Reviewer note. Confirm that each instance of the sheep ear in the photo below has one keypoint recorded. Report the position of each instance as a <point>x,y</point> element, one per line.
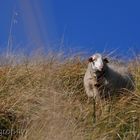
<point>106,60</point>
<point>90,59</point>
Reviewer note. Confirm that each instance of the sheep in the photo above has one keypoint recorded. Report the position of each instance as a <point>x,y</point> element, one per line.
<point>104,80</point>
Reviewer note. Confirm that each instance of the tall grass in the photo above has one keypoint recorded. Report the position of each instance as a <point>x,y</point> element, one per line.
<point>44,97</point>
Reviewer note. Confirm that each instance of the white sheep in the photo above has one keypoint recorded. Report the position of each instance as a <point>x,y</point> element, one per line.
<point>102,79</point>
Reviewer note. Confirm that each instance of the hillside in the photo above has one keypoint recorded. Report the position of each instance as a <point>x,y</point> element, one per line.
<point>43,98</point>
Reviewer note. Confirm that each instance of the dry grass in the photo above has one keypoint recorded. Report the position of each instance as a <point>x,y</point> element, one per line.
<point>45,97</point>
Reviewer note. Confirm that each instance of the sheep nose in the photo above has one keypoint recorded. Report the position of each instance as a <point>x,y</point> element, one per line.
<point>100,68</point>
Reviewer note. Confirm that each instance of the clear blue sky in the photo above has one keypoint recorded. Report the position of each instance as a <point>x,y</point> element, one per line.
<point>91,25</point>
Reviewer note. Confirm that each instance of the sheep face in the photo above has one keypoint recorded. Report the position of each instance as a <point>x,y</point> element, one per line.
<point>97,62</point>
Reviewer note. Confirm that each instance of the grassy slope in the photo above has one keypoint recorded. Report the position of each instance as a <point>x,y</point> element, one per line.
<point>47,99</point>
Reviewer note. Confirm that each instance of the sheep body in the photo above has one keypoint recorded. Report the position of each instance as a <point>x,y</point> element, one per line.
<point>117,78</point>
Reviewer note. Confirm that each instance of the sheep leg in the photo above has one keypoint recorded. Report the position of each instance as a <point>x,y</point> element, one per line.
<point>94,110</point>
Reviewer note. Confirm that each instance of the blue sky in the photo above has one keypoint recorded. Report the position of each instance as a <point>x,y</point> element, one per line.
<point>91,25</point>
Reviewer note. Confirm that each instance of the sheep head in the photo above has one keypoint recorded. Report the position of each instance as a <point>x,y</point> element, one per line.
<point>98,62</point>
